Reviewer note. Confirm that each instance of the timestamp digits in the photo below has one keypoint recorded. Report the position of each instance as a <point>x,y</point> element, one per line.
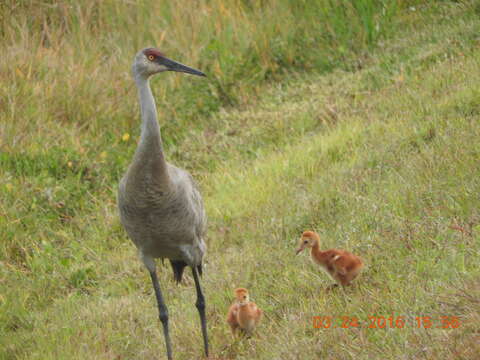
<point>382,322</point>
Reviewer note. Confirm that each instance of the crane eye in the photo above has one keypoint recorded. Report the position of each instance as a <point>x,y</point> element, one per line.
<point>305,242</point>
<point>151,57</point>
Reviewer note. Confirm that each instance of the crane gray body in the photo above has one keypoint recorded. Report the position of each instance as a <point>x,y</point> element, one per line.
<point>160,205</point>
<point>165,218</point>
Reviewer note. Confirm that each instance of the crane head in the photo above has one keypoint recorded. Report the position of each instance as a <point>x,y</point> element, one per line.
<point>308,239</point>
<point>150,61</point>
<point>241,296</point>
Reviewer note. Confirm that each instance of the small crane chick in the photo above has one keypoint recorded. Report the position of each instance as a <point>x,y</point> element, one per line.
<point>341,265</point>
<point>243,313</point>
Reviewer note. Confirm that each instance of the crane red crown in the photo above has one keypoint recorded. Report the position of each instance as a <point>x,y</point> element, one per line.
<point>154,52</point>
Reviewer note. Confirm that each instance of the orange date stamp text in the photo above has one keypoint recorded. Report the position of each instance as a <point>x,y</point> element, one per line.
<point>383,322</point>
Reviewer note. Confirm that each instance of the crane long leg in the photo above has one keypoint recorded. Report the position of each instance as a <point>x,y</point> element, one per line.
<point>163,312</point>
<point>200,304</point>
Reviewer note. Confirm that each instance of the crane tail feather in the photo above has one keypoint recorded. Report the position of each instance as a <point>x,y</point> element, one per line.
<point>178,268</point>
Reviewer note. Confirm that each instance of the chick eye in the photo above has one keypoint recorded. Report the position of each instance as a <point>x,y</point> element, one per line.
<point>305,242</point>
<point>244,297</point>
<point>151,57</point>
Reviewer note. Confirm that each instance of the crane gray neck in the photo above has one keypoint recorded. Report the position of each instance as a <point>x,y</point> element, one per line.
<point>150,139</point>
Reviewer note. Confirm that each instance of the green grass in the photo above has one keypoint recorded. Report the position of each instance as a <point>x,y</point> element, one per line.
<point>377,149</point>
<point>69,63</point>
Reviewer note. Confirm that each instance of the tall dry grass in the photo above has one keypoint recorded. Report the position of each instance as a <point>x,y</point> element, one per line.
<point>68,61</point>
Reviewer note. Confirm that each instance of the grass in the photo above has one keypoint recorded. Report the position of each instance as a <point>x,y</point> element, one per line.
<point>378,151</point>
<point>71,63</point>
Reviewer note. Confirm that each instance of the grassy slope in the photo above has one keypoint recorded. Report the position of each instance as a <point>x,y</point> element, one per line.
<point>382,161</point>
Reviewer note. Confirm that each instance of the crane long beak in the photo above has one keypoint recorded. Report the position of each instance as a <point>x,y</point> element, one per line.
<point>176,66</point>
<point>299,250</point>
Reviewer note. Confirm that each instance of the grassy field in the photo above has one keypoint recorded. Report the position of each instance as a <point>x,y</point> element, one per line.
<point>359,121</point>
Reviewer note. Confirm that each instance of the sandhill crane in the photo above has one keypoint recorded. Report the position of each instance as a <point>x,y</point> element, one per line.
<point>160,206</point>
<point>243,314</point>
<point>340,265</point>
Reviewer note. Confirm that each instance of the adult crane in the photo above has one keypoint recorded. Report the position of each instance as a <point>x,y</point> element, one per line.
<point>160,206</point>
